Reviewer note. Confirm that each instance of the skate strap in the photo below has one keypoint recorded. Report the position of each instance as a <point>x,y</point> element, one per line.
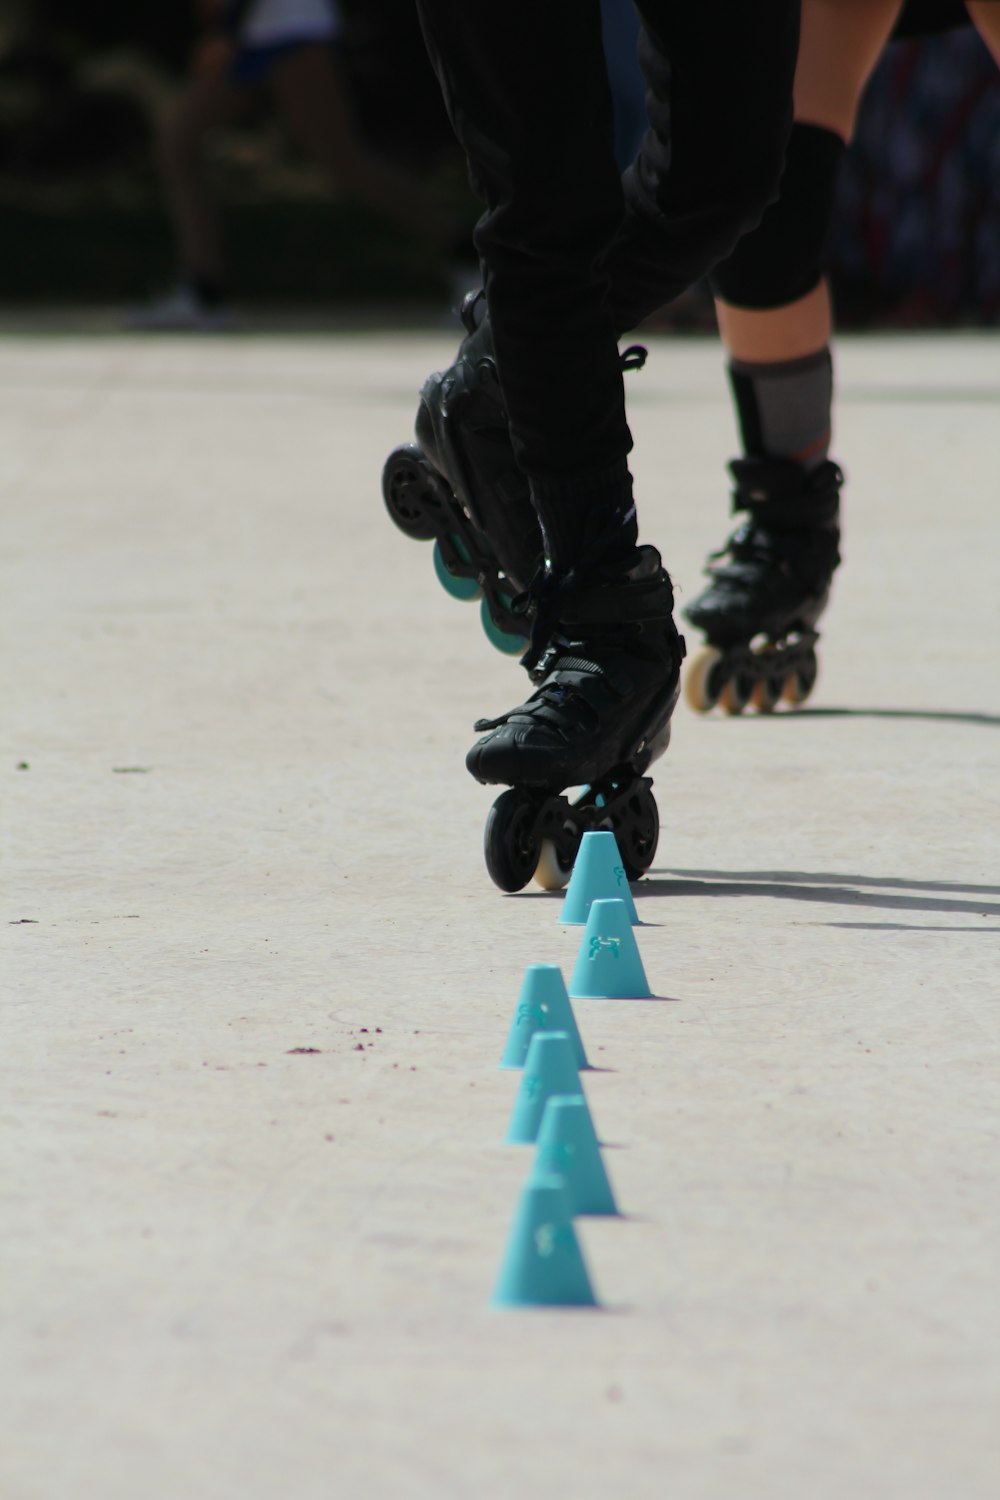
<point>634,357</point>
<point>578,684</point>
<point>574,605</point>
<point>749,549</point>
<point>778,494</point>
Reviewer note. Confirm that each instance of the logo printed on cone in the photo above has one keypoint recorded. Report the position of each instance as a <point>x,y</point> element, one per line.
<point>598,875</point>
<point>608,965</point>
<point>542,1005</point>
<point>542,1264</point>
<point>568,1147</point>
<point>549,1068</point>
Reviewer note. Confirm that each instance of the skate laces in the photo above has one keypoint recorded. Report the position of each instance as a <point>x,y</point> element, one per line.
<point>563,705</point>
<point>549,696</point>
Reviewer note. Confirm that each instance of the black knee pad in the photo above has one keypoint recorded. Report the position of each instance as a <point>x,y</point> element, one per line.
<point>782,259</point>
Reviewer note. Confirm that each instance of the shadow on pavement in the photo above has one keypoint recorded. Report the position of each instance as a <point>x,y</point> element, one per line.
<point>921,715</point>
<point>947,898</point>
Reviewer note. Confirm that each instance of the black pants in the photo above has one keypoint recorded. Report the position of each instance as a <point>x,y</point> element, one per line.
<point>573,254</point>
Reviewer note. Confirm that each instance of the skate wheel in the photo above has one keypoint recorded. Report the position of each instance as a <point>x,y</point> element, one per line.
<point>801,680</point>
<point>511,847</point>
<point>550,872</point>
<point>405,486</point>
<point>737,692</point>
<point>504,640</point>
<point>767,693</point>
<point>703,681</point>
<point>638,833</point>
<point>453,583</point>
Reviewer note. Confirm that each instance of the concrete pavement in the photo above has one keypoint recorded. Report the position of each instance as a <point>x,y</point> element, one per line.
<point>258,982</point>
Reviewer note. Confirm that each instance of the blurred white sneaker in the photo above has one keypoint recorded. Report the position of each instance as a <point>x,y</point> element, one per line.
<point>180,311</point>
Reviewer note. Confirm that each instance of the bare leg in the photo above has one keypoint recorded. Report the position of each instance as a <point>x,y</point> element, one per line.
<point>840,45</point>
<point>310,92</point>
<point>209,101</point>
<point>986,19</point>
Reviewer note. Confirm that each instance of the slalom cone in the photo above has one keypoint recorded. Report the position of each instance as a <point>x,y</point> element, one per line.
<point>543,1005</point>
<point>568,1147</point>
<point>542,1263</point>
<point>608,965</point>
<point>598,875</point>
<point>549,1068</point>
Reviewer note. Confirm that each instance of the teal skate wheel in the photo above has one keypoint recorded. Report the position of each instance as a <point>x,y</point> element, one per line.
<point>503,640</point>
<point>459,588</point>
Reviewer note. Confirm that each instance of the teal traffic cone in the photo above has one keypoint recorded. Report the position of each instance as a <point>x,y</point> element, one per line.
<point>543,1265</point>
<point>598,875</point>
<point>608,965</point>
<point>568,1147</point>
<point>549,1068</point>
<point>543,1005</point>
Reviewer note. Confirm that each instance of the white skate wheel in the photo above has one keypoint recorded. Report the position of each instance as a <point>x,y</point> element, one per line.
<point>800,683</point>
<point>767,693</point>
<point>550,872</point>
<point>736,694</point>
<point>701,686</point>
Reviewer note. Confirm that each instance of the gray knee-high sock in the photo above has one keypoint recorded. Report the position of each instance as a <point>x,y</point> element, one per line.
<point>784,409</point>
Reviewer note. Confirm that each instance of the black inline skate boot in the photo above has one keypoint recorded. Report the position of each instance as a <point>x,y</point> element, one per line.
<point>769,585</point>
<point>606,656</point>
<point>460,486</point>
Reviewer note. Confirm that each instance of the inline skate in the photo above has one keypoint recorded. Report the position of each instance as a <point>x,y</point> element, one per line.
<point>606,658</point>
<point>768,587</point>
<point>459,486</point>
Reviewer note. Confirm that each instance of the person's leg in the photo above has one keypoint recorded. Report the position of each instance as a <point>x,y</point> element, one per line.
<point>720,87</point>
<point>986,19</point>
<point>309,88</point>
<point>719,102</point>
<point>513,77</point>
<point>209,101</point>
<point>775,319</point>
<point>721,108</point>
<point>527,91</point>
<point>841,42</point>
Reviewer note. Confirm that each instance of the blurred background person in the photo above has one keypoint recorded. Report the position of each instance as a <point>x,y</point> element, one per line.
<point>84,85</point>
<point>285,50</point>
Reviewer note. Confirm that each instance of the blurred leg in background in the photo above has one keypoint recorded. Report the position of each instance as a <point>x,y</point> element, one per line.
<point>311,96</point>
<point>985,16</point>
<point>280,51</point>
<point>211,101</point>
